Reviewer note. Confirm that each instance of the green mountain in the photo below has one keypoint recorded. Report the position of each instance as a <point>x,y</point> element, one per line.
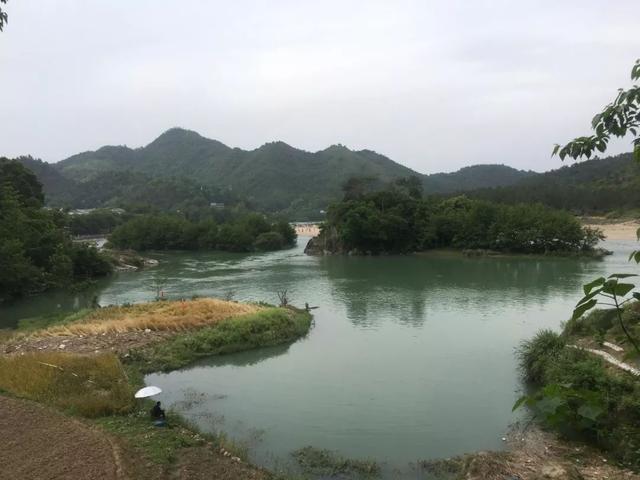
<point>274,177</point>
<point>591,187</point>
<point>474,177</point>
<point>181,169</point>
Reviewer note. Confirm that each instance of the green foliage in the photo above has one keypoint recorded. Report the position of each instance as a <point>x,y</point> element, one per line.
<point>597,186</point>
<point>181,169</point>
<point>397,221</point>
<point>22,181</point>
<point>579,396</point>
<point>268,241</point>
<point>619,118</point>
<point>243,232</point>
<point>534,354</point>
<point>97,222</point>
<point>265,328</point>
<point>36,252</point>
<point>613,291</point>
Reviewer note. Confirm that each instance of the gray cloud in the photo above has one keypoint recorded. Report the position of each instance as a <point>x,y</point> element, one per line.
<point>435,85</point>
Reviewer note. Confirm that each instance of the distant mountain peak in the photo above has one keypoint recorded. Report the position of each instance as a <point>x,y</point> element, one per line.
<point>175,133</point>
<point>177,136</point>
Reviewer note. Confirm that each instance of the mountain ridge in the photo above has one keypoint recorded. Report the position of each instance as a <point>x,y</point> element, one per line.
<point>274,177</point>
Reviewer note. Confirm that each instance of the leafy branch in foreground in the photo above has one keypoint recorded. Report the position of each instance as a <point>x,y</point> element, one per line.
<point>615,294</point>
<point>619,118</point>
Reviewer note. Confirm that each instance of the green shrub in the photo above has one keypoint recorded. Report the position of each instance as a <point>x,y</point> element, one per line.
<point>269,241</point>
<point>581,395</point>
<point>534,355</point>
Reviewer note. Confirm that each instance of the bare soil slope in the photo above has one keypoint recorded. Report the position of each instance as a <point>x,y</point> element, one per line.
<point>38,443</point>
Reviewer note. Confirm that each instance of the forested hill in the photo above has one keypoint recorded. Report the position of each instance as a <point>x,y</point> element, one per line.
<point>181,168</point>
<point>474,177</point>
<point>274,177</point>
<point>589,187</point>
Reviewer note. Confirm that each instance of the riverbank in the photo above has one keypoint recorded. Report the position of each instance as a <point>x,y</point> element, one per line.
<point>90,365</point>
<point>614,230</point>
<point>586,381</point>
<point>181,451</point>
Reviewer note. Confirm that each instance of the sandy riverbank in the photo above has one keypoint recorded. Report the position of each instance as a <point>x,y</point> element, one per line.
<point>616,231</point>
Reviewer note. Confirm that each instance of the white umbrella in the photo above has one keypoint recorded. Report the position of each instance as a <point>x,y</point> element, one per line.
<point>147,392</point>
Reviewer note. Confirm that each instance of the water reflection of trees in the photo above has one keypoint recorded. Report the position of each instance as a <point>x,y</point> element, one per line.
<point>407,288</point>
<point>243,359</point>
<point>48,303</point>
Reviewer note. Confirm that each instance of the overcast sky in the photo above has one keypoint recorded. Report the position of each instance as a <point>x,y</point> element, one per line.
<point>435,85</point>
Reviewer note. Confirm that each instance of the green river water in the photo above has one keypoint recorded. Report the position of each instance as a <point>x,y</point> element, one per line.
<point>409,358</point>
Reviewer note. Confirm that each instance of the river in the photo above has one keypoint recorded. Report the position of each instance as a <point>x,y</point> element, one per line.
<point>409,358</point>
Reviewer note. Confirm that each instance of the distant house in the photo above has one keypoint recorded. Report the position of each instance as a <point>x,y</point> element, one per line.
<point>216,205</point>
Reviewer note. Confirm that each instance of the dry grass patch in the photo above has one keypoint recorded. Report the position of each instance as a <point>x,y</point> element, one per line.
<point>172,316</point>
<point>90,386</point>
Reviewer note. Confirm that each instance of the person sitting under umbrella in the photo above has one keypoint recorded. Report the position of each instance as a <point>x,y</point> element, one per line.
<point>157,413</point>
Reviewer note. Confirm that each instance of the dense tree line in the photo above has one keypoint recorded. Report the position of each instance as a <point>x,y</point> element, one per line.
<point>36,252</point>
<point>596,186</point>
<point>234,232</point>
<point>101,221</point>
<point>399,220</point>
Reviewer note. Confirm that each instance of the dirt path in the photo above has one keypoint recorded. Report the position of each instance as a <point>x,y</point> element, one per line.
<point>38,443</point>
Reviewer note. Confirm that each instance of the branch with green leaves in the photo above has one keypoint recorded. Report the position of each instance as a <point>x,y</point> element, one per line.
<point>613,293</point>
<point>618,119</point>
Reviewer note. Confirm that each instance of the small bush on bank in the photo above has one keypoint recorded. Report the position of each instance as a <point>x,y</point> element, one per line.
<point>535,354</point>
<point>90,386</point>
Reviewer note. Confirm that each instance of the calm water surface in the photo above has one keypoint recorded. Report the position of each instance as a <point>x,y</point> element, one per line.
<point>410,357</point>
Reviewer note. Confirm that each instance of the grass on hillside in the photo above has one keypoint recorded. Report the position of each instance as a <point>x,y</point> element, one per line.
<point>169,316</point>
<point>89,386</point>
<point>268,327</point>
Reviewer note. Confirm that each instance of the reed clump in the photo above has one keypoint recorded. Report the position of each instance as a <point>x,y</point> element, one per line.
<point>172,316</point>
<point>90,386</point>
